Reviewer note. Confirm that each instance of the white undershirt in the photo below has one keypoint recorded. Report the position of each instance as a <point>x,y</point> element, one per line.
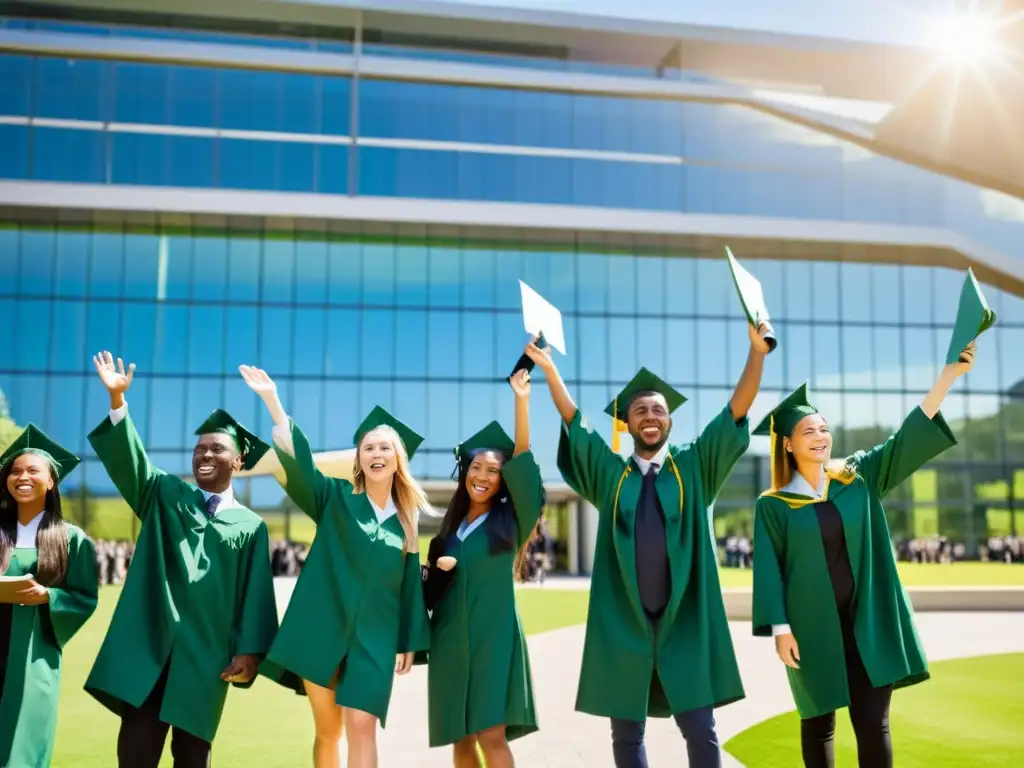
<point>227,496</point>
<point>27,533</point>
<point>658,458</point>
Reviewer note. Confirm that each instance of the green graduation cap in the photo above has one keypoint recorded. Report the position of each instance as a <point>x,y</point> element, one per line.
<point>644,381</point>
<point>34,440</point>
<point>492,436</point>
<point>380,418</point>
<point>973,317</point>
<point>249,446</point>
<point>787,414</point>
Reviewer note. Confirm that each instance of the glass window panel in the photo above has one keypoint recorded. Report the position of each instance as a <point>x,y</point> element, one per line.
<point>15,85</point>
<point>193,96</point>
<point>478,274</point>
<point>300,103</point>
<point>14,151</point>
<point>508,269</point>
<point>379,273</point>
<point>650,285</point>
<point>475,408</point>
<point>145,257</point>
<point>67,348</point>
<point>191,161</point>
<point>32,259</point>
<point>167,428</point>
<point>542,180</point>
<point>798,340</point>
<point>137,336</point>
<point>826,360</point>
<point>885,293</point>
<point>343,346</point>
<point>311,271</point>
<point>9,317</point>
<point>206,340</point>
<point>738,330</point>
<point>335,103</point>
<point>858,357</point>
<point>308,342</point>
<point>622,349</point>
<point>622,275</point>
<point>241,326</point>
<point>138,159</point>
<point>170,351</point>
<point>70,88</point>
<point>64,417</point>
<point>307,409</point>
<point>72,258</point>
<point>344,272</point>
<point>250,100</point>
<point>710,403</point>
<point>480,355</point>
<point>377,171</point>
<point>592,275</point>
<point>443,338</point>
<point>443,427</point>
<point>1011,361</point>
<point>680,345</point>
<point>247,164</point>
<point>107,268</point>
<point>799,286</point>
<point>593,356</point>
<point>204,397</point>
<point>918,358</point>
<point>855,289</point>
<point>681,284</point>
<point>26,397</point>
<point>210,271</point>
<point>712,352</point>
<point>332,169</point>
<point>650,344</point>
<point>411,344</point>
<point>717,295</point>
<point>889,363</point>
<point>244,257</point>
<point>296,166</point>
<point>59,154</point>
<point>276,334</point>
<point>374,392</point>
<point>946,285</point>
<point>378,342</point>
<point>445,264</point>
<point>826,288</point>
<point>411,275</point>
<point>984,438</point>
<point>142,93</point>
<point>341,413</point>
<point>511,339</point>
<point>918,287</point>
<point>179,272</point>
<point>278,268</point>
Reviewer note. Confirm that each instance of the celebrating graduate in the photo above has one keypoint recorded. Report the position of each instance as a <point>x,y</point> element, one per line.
<point>480,689</point>
<point>657,640</point>
<point>822,523</point>
<point>197,610</point>
<point>47,594</point>
<point>357,614</point>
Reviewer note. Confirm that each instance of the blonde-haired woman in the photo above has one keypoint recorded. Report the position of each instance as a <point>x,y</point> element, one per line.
<point>358,603</point>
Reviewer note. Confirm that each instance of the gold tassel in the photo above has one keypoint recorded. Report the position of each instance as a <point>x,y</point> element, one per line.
<point>617,426</point>
<point>772,438</point>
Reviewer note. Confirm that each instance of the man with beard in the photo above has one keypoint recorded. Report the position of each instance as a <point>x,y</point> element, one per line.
<point>657,640</point>
<point>197,611</point>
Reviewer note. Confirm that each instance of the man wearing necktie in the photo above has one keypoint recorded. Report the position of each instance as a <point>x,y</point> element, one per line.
<point>197,611</point>
<point>657,640</point>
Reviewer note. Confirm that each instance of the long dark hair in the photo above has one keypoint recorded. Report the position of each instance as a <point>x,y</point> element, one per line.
<point>52,536</point>
<point>501,524</point>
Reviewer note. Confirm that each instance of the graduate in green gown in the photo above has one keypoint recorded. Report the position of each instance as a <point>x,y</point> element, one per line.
<point>52,567</point>
<point>480,689</point>
<point>657,640</point>
<point>197,611</point>
<point>825,579</point>
<point>357,614</point>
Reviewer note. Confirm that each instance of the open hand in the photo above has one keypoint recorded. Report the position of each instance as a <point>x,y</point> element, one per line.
<point>757,341</point>
<point>446,563</point>
<point>966,360</point>
<point>242,669</point>
<point>541,357</point>
<point>34,594</point>
<point>114,378</point>
<point>403,663</point>
<point>521,383</point>
<point>786,647</point>
<point>258,380</point>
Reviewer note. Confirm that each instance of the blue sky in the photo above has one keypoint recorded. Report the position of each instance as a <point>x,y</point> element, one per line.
<point>895,21</point>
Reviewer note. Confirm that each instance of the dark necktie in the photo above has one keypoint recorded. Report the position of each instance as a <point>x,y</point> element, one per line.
<point>652,567</point>
<point>211,505</point>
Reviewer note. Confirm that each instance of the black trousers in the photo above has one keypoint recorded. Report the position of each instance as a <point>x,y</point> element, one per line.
<point>140,742</point>
<point>869,715</point>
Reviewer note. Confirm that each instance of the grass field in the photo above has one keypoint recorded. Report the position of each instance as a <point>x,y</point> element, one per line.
<point>267,726</point>
<point>918,575</point>
<point>969,714</point>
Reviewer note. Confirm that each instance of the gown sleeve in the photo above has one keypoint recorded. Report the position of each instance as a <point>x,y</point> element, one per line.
<point>256,619</point>
<point>522,477</point>
<point>586,461</point>
<point>917,441</point>
<point>413,623</point>
<point>721,444</point>
<point>305,484</point>
<point>769,556</point>
<point>73,602</point>
<point>120,449</point>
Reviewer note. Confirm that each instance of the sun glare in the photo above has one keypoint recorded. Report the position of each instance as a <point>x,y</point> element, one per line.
<point>965,37</point>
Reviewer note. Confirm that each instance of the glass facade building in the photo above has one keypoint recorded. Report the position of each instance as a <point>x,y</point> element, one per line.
<point>424,319</point>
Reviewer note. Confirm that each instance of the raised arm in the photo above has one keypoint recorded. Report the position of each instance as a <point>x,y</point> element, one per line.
<point>559,392</point>
<point>923,435</point>
<point>521,386</point>
<point>117,443</point>
<point>304,483</point>
<point>750,380</point>
<point>521,474</point>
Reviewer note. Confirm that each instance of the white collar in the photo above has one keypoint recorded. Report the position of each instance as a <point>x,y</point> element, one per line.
<point>659,459</point>
<point>799,485</point>
<point>227,498</point>
<point>383,514</point>
<point>26,538</point>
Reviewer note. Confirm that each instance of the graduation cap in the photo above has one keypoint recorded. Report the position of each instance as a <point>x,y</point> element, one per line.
<point>751,297</point>
<point>491,437</point>
<point>973,317</point>
<point>783,420</point>
<point>381,418</point>
<point>541,319</point>
<point>34,440</point>
<point>249,446</point>
<point>644,381</point>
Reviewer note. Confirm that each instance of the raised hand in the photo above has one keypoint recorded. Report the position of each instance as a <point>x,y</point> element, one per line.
<point>114,377</point>
<point>258,380</point>
<point>541,357</point>
<point>521,383</point>
<point>757,341</point>
<point>966,360</point>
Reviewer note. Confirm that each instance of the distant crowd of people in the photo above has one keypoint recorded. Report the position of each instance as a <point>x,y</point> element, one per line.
<point>113,559</point>
<point>1004,549</point>
<point>287,557</point>
<point>736,552</point>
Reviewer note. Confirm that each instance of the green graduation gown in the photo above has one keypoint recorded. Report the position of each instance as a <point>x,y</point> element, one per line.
<point>690,649</point>
<point>28,707</point>
<point>479,674</point>
<point>792,583</point>
<point>199,591</point>
<point>358,602</point>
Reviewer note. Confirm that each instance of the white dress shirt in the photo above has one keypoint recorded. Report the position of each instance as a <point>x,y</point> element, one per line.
<point>658,458</point>
<point>27,533</point>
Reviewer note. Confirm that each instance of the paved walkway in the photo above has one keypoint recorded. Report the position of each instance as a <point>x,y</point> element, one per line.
<point>568,739</point>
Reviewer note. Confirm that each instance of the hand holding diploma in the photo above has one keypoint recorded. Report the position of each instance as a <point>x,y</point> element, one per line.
<point>22,590</point>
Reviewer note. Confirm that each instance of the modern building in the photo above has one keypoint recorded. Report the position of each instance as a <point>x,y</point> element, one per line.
<point>347,193</point>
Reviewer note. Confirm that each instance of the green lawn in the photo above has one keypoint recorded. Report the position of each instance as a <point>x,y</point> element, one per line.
<point>918,575</point>
<point>266,726</point>
<point>968,714</point>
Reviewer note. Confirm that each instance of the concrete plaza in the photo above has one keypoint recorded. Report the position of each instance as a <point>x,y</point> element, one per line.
<point>568,739</point>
